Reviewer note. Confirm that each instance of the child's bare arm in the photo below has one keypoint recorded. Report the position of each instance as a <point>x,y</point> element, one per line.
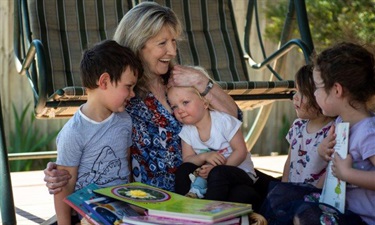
<point>286,170</point>
<point>321,180</point>
<point>189,155</point>
<point>342,169</point>
<point>239,150</point>
<point>188,152</point>
<point>63,210</point>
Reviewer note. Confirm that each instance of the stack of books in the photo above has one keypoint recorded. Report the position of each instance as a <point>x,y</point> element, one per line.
<point>138,203</point>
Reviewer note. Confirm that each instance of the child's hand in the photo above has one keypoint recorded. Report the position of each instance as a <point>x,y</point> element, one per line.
<point>205,170</point>
<point>325,148</point>
<point>215,158</point>
<point>340,166</point>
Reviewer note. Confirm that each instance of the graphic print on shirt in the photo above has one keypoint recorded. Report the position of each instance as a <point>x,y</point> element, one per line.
<point>204,150</point>
<point>105,169</point>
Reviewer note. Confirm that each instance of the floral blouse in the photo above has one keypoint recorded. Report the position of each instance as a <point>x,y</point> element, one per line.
<point>306,166</point>
<point>156,150</point>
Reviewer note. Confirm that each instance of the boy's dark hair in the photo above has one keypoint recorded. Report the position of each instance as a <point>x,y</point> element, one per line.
<point>107,56</point>
<point>306,86</point>
<point>350,65</point>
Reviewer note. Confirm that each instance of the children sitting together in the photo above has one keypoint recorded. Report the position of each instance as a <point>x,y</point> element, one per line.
<point>208,156</point>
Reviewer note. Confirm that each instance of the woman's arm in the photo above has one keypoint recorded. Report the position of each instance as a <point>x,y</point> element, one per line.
<point>55,178</point>
<point>63,210</point>
<point>239,150</point>
<point>189,76</point>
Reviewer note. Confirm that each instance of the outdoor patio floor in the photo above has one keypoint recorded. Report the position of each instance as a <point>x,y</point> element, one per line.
<point>34,205</point>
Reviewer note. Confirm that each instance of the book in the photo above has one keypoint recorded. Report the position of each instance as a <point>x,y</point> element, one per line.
<point>109,211</point>
<point>150,220</point>
<point>76,201</point>
<point>334,189</point>
<point>245,220</point>
<point>163,203</point>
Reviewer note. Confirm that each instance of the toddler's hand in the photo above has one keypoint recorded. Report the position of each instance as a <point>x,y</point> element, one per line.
<point>215,158</point>
<point>326,147</point>
<point>340,166</point>
<point>205,170</point>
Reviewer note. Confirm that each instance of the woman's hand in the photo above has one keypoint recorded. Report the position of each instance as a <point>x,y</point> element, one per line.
<point>188,76</point>
<point>54,178</point>
<point>326,147</point>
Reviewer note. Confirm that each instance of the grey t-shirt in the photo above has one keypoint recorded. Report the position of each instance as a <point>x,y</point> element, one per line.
<point>99,149</point>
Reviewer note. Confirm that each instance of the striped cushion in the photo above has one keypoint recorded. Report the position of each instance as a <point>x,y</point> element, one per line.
<point>68,27</point>
<point>250,95</point>
<point>210,38</point>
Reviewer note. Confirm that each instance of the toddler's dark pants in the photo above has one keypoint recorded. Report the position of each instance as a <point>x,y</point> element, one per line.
<point>226,183</point>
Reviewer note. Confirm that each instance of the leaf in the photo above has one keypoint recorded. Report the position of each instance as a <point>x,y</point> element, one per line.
<point>27,138</point>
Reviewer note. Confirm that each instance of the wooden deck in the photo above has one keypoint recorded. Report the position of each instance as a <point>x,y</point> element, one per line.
<point>34,205</point>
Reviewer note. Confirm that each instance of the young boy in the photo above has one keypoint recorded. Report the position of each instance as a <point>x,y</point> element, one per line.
<point>93,145</point>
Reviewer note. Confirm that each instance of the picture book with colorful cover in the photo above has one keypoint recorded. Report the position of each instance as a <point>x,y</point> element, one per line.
<point>108,210</point>
<point>334,189</point>
<point>167,204</point>
<point>76,201</point>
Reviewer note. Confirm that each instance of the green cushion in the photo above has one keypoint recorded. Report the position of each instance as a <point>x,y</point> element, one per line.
<point>66,28</point>
<point>210,38</point>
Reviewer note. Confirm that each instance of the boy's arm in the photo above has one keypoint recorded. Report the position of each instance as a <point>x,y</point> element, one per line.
<point>342,169</point>
<point>286,170</point>
<point>63,210</point>
<point>239,150</point>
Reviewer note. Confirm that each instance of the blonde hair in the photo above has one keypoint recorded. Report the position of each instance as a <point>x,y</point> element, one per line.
<point>138,25</point>
<point>195,91</point>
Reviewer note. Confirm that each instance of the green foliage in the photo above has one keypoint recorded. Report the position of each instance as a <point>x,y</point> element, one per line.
<point>284,129</point>
<point>331,21</point>
<point>27,138</point>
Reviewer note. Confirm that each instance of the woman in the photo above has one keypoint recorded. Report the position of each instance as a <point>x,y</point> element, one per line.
<point>152,31</point>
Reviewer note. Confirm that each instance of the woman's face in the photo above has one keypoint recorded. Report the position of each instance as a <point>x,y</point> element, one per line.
<point>159,51</point>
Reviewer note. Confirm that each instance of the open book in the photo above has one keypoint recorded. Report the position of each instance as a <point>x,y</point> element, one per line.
<point>108,210</point>
<point>97,209</point>
<point>76,201</point>
<point>162,203</point>
<point>334,189</point>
